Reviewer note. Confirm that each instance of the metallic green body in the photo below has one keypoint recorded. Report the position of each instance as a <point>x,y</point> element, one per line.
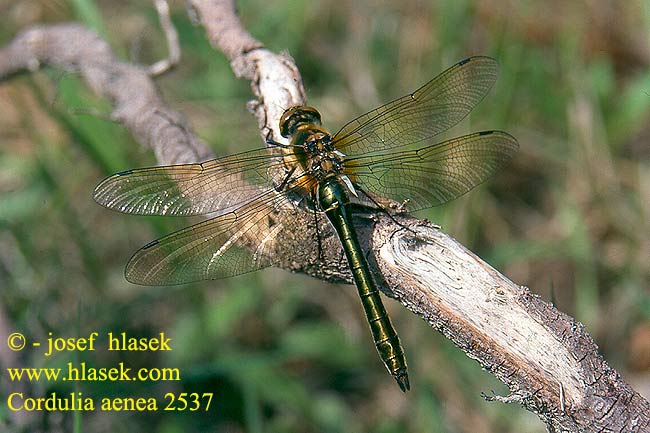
<point>334,201</point>
<point>312,148</point>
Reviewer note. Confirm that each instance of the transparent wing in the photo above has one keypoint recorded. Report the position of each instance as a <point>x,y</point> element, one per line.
<point>230,244</point>
<point>434,174</point>
<point>430,110</point>
<point>189,189</point>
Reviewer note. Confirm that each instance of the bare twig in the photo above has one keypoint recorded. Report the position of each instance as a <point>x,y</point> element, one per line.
<point>275,79</point>
<point>547,359</point>
<point>171,35</point>
<point>136,101</point>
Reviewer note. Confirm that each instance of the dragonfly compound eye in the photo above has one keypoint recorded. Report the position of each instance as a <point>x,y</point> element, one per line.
<point>294,117</point>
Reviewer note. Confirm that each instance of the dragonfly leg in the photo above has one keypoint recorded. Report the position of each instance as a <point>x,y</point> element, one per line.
<point>382,209</point>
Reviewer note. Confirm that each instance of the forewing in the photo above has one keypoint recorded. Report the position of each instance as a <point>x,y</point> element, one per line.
<point>430,110</point>
<point>434,174</point>
<point>189,189</point>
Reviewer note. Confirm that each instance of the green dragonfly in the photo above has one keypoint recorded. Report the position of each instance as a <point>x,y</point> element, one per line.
<point>377,159</point>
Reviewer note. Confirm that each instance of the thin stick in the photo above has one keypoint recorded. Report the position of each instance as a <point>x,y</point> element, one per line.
<point>171,36</point>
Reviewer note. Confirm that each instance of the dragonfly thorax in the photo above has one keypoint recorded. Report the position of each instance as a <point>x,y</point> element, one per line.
<point>311,159</point>
<point>316,154</point>
<point>311,144</point>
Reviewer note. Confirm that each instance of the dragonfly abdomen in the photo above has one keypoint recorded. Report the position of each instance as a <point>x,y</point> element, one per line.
<point>334,201</point>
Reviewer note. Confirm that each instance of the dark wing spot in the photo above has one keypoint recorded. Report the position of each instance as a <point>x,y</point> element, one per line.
<point>150,244</point>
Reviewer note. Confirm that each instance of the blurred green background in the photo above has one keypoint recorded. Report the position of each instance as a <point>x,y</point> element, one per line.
<point>569,217</point>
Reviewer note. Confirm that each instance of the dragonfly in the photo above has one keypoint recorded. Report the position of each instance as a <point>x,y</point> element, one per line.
<point>256,198</point>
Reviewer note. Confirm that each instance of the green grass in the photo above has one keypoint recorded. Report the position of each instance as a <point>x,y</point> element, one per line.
<point>570,214</point>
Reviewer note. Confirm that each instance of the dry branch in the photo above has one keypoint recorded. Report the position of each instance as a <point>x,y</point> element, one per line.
<point>136,101</point>
<point>547,359</point>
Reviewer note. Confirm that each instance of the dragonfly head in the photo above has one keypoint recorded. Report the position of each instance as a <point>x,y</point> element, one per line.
<point>294,117</point>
